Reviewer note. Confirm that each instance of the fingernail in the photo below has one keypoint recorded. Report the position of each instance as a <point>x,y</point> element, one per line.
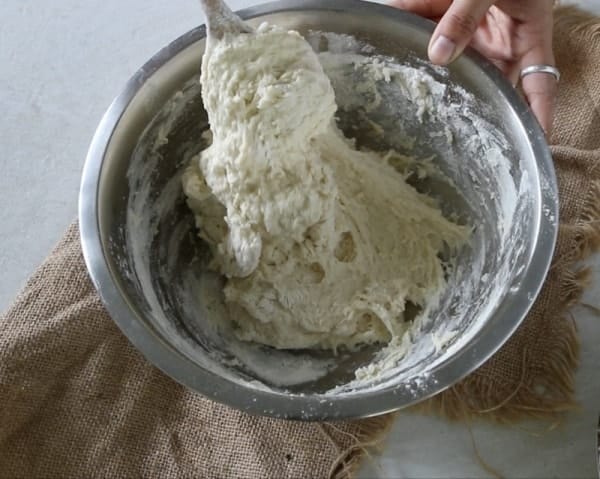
<point>442,50</point>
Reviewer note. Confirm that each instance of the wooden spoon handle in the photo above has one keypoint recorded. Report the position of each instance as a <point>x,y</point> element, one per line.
<point>221,20</point>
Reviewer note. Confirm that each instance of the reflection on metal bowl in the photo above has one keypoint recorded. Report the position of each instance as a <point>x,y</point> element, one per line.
<point>148,264</point>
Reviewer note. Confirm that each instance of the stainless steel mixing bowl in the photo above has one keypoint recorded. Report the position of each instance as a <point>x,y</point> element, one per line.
<point>146,267</point>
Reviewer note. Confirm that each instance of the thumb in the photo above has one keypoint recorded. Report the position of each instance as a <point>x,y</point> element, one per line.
<point>456,28</point>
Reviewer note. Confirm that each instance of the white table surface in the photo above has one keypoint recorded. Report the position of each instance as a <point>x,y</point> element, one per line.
<point>63,61</point>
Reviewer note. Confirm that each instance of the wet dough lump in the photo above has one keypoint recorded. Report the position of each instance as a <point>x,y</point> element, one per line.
<point>322,245</point>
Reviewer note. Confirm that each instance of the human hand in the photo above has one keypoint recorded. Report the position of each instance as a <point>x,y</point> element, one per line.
<point>514,34</point>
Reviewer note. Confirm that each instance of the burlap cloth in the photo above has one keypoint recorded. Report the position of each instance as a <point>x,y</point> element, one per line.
<point>76,400</point>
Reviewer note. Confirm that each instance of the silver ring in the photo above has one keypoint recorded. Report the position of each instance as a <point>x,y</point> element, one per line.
<point>541,69</point>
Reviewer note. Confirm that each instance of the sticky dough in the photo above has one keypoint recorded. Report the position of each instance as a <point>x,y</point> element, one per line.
<point>322,245</point>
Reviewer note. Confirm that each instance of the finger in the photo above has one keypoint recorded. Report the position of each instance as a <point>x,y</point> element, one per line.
<point>492,39</point>
<point>456,28</point>
<point>509,69</point>
<point>501,65</point>
<point>512,72</point>
<point>540,91</point>
<point>425,8</point>
<point>540,88</point>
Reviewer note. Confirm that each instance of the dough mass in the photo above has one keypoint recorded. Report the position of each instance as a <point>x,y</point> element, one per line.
<point>322,245</point>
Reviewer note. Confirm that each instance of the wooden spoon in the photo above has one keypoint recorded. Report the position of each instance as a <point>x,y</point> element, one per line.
<point>220,20</point>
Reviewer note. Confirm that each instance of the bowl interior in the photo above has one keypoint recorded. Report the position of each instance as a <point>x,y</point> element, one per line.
<point>157,263</point>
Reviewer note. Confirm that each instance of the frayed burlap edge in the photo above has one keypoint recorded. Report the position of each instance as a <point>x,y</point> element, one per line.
<point>554,390</point>
<point>369,439</point>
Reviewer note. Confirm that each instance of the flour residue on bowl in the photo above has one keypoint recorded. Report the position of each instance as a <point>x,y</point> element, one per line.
<point>448,152</point>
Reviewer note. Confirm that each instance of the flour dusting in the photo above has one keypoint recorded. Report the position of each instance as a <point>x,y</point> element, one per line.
<point>442,145</point>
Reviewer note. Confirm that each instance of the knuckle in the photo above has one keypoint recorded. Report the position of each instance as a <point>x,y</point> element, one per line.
<point>539,95</point>
<point>429,8</point>
<point>540,101</point>
<point>464,24</point>
<point>539,87</point>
